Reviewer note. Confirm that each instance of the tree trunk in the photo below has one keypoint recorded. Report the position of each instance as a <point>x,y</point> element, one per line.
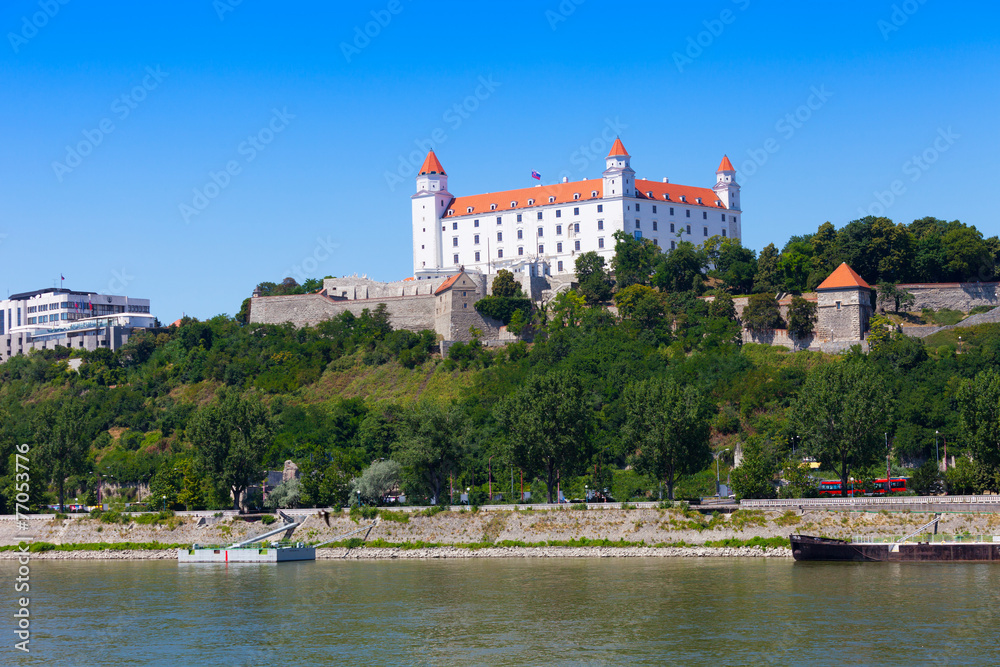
<point>549,478</point>
<point>62,504</point>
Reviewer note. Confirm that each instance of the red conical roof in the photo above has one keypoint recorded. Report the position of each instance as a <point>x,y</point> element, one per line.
<point>618,149</point>
<point>432,165</point>
<point>725,165</point>
<point>843,277</point>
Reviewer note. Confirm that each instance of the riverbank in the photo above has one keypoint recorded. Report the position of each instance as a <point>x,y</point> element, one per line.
<point>430,553</point>
<point>517,533</point>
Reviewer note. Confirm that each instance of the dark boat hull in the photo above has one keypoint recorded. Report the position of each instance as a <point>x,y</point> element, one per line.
<point>805,547</point>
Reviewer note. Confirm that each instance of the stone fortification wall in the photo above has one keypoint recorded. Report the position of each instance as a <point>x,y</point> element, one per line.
<point>953,296</point>
<point>405,312</point>
<point>361,287</point>
<point>780,337</point>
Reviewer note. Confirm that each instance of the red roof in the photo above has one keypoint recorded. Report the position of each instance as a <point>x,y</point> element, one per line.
<point>843,277</point>
<point>561,192</point>
<point>725,165</point>
<point>618,148</point>
<point>448,283</point>
<point>432,165</point>
<point>656,190</point>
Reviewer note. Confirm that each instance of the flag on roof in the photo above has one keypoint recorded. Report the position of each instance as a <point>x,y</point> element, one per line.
<point>536,175</point>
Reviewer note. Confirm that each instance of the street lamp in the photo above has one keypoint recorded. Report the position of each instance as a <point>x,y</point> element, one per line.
<point>468,496</point>
<point>164,503</point>
<point>937,459</point>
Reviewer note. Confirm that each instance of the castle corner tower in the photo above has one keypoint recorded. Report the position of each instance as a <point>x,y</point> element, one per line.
<point>619,179</point>
<point>429,205</point>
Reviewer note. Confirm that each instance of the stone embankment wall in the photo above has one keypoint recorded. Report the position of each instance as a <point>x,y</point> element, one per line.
<point>953,296</point>
<point>405,312</point>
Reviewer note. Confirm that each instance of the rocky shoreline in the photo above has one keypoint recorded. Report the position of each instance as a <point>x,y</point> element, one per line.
<point>427,553</point>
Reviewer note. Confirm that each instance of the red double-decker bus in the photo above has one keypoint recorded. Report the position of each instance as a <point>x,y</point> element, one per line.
<point>833,487</point>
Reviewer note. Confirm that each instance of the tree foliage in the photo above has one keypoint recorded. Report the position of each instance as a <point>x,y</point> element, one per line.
<point>762,314</point>
<point>801,317</point>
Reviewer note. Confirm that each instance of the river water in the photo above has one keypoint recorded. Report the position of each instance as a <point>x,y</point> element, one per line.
<point>649,611</point>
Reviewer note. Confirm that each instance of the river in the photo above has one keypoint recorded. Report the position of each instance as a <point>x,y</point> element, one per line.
<point>712,611</point>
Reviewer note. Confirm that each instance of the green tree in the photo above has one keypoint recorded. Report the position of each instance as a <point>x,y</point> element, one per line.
<point>642,305</point>
<point>754,476</point>
<point>722,306</point>
<point>230,437</point>
<point>504,285</point>
<point>667,426</point>
<point>634,260</point>
<point>801,317</point>
<point>979,413</point>
<point>798,482</point>
<point>546,423</point>
<point>377,481</point>
<point>63,441</point>
<point>682,269</point>
<point>927,479</point>
<point>762,313</point>
<point>286,495</point>
<point>768,278</point>
<point>593,278</point>
<point>841,413</point>
<point>899,298</point>
<point>434,440</point>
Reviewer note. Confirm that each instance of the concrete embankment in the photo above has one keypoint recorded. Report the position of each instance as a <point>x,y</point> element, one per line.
<point>515,533</point>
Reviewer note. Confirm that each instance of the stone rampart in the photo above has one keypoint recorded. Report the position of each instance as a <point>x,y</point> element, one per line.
<point>405,312</point>
<point>779,337</point>
<point>953,296</point>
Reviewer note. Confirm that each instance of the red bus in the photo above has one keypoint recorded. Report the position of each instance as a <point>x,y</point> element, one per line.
<point>832,487</point>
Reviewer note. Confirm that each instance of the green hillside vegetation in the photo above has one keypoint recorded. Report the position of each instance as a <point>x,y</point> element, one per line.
<point>197,409</point>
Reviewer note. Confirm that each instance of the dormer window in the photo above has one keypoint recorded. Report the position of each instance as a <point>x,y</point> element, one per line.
<point>593,193</point>
<point>718,202</point>
<point>513,204</point>
<point>551,199</point>
<point>684,198</point>
<point>493,207</point>
<point>468,209</point>
<point>531,202</point>
<point>649,194</point>
<point>698,199</point>
<point>451,212</point>
<point>576,195</point>
<point>666,196</point>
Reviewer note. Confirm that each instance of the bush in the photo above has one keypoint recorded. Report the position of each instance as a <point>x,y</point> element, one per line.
<point>268,519</point>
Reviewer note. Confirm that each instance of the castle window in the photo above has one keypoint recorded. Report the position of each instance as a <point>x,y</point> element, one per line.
<point>465,305</point>
<point>451,212</point>
<point>723,217</point>
<point>421,247</point>
<point>576,195</point>
<point>520,233</point>
<point>541,249</point>
<point>520,250</point>
<point>558,212</point>
<point>687,212</point>
<point>560,267</point>
<point>475,239</point>
<point>477,255</point>
<point>732,218</point>
<point>541,231</point>
<point>706,231</point>
<point>638,225</point>
<point>493,207</point>
<point>475,223</point>
<point>442,228</point>
<point>600,207</point>
<point>513,204</point>
<point>600,242</point>
<point>455,258</point>
<point>600,224</point>
<point>654,225</point>
<point>576,245</point>
<point>499,253</point>
<point>576,227</point>
<point>454,242</point>
<point>698,199</point>
<point>666,196</point>
<point>689,229</point>
<point>551,199</point>
<point>656,242</point>
<point>519,217</point>
<point>673,245</point>
<point>531,202</point>
<point>637,206</point>
<point>559,247</point>
<point>576,210</point>
<point>593,193</point>
<point>723,233</point>
<point>539,215</point>
<point>499,220</point>
<point>684,198</point>
<point>468,209</point>
<point>454,225</point>
<point>558,230</point>
<point>704,215</point>
<point>838,305</point>
<point>671,210</point>
<point>499,236</point>
<point>654,208</point>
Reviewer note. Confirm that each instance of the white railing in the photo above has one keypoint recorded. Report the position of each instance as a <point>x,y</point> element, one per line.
<point>875,500</point>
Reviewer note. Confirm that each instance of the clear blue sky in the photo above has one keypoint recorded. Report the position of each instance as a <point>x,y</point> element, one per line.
<point>558,74</point>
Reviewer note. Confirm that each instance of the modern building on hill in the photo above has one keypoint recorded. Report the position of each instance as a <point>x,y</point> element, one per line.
<point>47,318</point>
<point>550,225</point>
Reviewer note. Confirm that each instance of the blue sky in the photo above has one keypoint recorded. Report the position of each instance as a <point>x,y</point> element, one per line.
<point>822,109</point>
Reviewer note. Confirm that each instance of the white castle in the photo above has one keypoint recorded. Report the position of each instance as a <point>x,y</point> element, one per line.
<point>548,226</point>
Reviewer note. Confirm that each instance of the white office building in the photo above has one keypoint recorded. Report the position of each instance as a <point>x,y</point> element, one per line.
<point>47,318</point>
<point>550,225</point>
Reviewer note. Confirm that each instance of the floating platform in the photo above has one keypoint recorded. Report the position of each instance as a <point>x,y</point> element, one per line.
<point>262,554</point>
<point>977,550</point>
